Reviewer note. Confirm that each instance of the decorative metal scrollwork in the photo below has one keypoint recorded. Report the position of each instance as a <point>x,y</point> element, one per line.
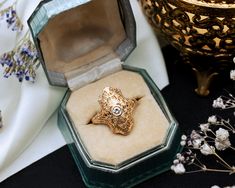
<point>219,1</point>
<point>192,31</point>
<point>196,30</point>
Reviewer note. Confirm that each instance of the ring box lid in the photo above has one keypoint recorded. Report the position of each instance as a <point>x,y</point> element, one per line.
<point>80,41</point>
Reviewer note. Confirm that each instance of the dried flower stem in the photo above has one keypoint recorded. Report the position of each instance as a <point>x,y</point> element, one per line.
<point>204,168</point>
<point>214,153</point>
<point>24,39</point>
<point>225,124</point>
<point>194,171</point>
<point>217,170</point>
<point>231,147</point>
<point>201,166</point>
<point>223,161</point>
<point>208,140</point>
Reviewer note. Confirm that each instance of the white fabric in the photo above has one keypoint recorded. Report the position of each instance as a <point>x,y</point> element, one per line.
<point>26,107</point>
<point>148,54</point>
<point>46,142</point>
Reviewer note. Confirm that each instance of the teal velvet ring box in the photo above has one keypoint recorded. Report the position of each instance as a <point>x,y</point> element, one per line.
<point>82,44</point>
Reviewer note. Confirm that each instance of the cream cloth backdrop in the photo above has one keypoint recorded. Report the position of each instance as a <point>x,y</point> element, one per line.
<point>27,107</point>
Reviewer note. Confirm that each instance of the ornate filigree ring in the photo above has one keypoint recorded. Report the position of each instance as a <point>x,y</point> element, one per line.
<point>116,111</point>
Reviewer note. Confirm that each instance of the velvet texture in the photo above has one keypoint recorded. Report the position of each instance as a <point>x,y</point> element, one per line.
<point>101,144</point>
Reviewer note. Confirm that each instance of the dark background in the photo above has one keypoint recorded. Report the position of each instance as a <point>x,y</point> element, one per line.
<point>59,169</point>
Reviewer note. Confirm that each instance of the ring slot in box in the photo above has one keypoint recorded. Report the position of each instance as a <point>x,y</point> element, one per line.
<point>82,44</point>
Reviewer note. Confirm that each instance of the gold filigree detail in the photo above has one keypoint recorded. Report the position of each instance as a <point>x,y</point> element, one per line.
<point>116,111</point>
<point>192,31</point>
<point>198,29</point>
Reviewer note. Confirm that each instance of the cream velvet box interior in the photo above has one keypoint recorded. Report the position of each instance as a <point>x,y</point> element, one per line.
<point>105,159</point>
<point>81,45</point>
<point>150,124</point>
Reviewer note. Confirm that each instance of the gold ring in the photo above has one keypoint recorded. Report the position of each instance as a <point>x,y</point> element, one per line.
<point>116,111</point>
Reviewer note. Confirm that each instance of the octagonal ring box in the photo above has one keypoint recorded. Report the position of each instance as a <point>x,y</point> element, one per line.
<point>82,44</point>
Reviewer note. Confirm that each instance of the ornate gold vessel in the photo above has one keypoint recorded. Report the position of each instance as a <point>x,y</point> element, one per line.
<point>202,30</point>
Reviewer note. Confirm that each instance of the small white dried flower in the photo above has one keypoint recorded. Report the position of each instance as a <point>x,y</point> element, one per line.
<point>178,168</point>
<point>194,135</point>
<point>207,149</point>
<point>232,74</point>
<point>176,161</point>
<point>222,145</point>
<point>181,158</point>
<point>183,137</point>
<point>204,127</point>
<point>219,103</point>
<point>178,155</point>
<point>183,143</point>
<point>197,143</point>
<point>222,134</point>
<point>212,119</point>
<point>196,140</point>
<point>189,143</point>
<point>215,186</point>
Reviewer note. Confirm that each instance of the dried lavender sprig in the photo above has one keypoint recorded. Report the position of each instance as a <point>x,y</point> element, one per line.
<point>21,62</point>
<point>10,16</point>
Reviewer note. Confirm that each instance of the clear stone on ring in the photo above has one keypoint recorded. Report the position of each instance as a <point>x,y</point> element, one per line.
<point>117,110</point>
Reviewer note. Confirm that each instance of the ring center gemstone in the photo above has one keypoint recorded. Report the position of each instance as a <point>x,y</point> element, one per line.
<point>117,110</point>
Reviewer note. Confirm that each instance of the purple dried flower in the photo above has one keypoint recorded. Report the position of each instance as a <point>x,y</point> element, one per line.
<point>21,62</point>
<point>11,18</point>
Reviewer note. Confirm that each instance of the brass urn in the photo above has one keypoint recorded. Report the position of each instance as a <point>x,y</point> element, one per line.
<point>202,30</point>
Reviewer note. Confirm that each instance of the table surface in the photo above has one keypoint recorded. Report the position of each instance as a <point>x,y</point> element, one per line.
<point>59,169</point>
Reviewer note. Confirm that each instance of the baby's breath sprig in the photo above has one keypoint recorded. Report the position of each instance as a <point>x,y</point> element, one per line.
<point>10,16</point>
<point>210,139</point>
<point>216,186</point>
<point>22,61</point>
<point>224,102</point>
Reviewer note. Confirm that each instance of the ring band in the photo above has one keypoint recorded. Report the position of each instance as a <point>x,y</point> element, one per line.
<point>116,111</point>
